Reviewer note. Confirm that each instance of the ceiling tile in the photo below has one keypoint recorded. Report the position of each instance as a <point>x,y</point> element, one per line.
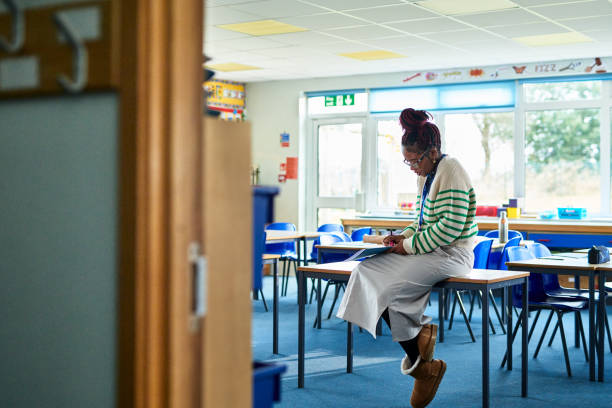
<point>303,38</point>
<point>354,4</point>
<point>574,10</point>
<point>250,43</point>
<point>323,21</point>
<point>363,32</point>
<point>522,30</point>
<point>278,8</point>
<point>344,47</point>
<point>225,15</point>
<point>402,42</point>
<point>504,17</point>
<point>458,37</point>
<point>429,25</point>
<point>531,3</point>
<point>589,23</point>
<point>214,49</point>
<point>391,13</point>
<point>292,51</point>
<point>214,3</point>
<point>454,7</point>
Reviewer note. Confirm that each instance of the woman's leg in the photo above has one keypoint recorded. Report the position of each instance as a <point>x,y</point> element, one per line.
<point>410,346</point>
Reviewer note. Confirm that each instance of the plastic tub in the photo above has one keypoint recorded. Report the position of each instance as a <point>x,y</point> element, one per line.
<point>571,213</point>
<point>263,213</point>
<point>266,383</point>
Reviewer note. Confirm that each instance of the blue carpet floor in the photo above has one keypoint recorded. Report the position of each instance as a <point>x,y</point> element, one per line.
<point>376,380</point>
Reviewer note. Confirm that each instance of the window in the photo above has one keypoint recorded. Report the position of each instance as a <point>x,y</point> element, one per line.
<point>333,215</point>
<point>339,159</point>
<point>484,144</point>
<point>396,182</point>
<point>562,91</point>
<point>562,159</point>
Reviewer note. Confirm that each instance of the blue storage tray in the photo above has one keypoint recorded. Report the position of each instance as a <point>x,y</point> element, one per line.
<point>266,383</point>
<point>263,213</point>
<point>571,213</point>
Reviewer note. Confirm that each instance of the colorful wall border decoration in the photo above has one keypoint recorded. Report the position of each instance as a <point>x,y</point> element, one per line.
<point>227,97</point>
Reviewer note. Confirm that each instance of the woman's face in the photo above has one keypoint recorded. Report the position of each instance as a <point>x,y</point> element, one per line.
<point>420,162</point>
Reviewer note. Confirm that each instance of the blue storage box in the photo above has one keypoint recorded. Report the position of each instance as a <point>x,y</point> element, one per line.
<point>266,383</point>
<point>263,213</point>
<point>571,213</point>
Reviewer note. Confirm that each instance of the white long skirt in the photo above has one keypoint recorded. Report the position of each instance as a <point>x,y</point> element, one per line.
<point>401,283</point>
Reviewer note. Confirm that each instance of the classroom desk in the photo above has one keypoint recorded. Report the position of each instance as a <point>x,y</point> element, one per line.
<point>577,267</point>
<point>276,236</point>
<point>477,280</point>
<point>272,259</point>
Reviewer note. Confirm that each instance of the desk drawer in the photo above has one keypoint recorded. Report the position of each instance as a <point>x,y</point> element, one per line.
<point>570,240</point>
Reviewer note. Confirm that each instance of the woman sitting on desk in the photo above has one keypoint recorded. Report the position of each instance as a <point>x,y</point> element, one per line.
<point>438,245</point>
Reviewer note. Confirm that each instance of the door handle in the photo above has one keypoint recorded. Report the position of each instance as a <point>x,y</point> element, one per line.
<point>198,270</point>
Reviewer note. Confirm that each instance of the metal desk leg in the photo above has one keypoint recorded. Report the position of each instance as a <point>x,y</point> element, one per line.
<point>275,310</point>
<point>319,303</point>
<point>524,348</point>
<point>508,307</point>
<point>576,325</point>
<point>301,329</point>
<point>349,347</point>
<point>441,315</point>
<point>591,326</point>
<point>601,321</point>
<point>504,299</point>
<point>485,347</point>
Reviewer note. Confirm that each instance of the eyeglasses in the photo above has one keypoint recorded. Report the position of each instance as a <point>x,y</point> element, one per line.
<point>415,163</point>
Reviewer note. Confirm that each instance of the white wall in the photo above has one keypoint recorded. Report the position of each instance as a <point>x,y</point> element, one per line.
<point>272,108</point>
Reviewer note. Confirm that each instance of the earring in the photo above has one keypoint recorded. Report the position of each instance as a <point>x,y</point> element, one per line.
<point>435,161</point>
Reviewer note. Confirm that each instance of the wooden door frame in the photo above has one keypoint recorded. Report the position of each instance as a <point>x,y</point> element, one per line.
<point>160,77</point>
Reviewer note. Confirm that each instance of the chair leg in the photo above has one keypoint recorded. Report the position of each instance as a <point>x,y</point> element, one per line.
<point>264,299</point>
<point>535,355</point>
<point>331,309</point>
<point>608,332</point>
<point>552,336</point>
<point>313,289</point>
<point>472,298</point>
<point>533,325</point>
<point>285,278</point>
<point>567,363</point>
<point>467,322</point>
<point>516,327</point>
<point>494,303</point>
<point>452,315</point>
<point>581,329</point>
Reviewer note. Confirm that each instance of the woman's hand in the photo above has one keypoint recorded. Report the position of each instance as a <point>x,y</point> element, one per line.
<point>392,240</point>
<point>398,248</point>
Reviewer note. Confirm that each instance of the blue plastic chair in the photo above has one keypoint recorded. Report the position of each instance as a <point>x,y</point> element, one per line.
<point>495,234</point>
<point>504,255</point>
<point>357,234</point>
<point>481,255</point>
<point>330,228</point>
<point>326,228</point>
<point>538,300</point>
<point>286,250</point>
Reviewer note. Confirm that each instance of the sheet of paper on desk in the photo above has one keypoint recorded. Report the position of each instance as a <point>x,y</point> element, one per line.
<point>370,251</point>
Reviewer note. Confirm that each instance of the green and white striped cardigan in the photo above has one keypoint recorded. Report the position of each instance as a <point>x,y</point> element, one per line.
<point>448,211</point>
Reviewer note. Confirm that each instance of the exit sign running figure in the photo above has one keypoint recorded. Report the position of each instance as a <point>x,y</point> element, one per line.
<point>340,100</point>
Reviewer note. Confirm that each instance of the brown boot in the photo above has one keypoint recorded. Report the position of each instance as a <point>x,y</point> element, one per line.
<point>426,341</point>
<point>428,375</point>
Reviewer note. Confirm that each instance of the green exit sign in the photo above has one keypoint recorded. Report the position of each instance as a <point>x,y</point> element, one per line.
<point>340,100</point>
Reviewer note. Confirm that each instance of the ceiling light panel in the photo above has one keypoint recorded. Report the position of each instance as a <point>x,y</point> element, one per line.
<point>323,21</point>
<point>453,7</point>
<point>391,13</point>
<point>354,4</point>
<point>363,32</point>
<point>278,8</point>
<point>553,39</point>
<point>372,55</point>
<point>524,30</point>
<point>231,66</point>
<point>504,17</point>
<point>429,25</point>
<point>262,27</point>
<point>575,10</point>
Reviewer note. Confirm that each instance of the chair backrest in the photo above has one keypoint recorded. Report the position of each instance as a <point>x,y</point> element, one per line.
<point>536,286</point>
<point>549,280</point>
<point>281,248</point>
<point>343,236</point>
<point>332,238</point>
<point>481,253</point>
<point>504,258</point>
<point>330,228</point>
<point>511,234</point>
<point>357,234</point>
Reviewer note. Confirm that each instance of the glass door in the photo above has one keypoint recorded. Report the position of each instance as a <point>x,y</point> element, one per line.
<point>339,172</point>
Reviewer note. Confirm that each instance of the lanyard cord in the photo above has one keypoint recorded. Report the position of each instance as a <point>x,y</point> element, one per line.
<point>426,187</point>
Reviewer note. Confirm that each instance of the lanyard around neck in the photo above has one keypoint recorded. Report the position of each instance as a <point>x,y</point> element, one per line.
<point>426,187</point>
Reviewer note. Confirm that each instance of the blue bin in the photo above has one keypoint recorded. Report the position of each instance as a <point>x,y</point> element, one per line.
<point>266,383</point>
<point>571,213</point>
<point>263,213</point>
